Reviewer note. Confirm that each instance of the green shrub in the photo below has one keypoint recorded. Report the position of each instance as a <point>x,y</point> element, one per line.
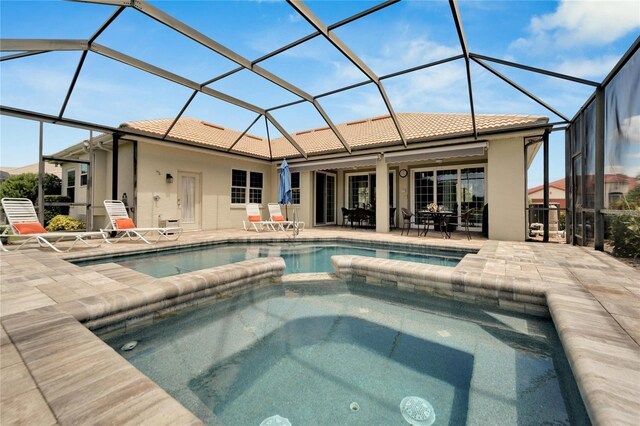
<point>624,232</point>
<point>25,185</point>
<point>64,223</point>
<point>562,221</point>
<point>51,211</point>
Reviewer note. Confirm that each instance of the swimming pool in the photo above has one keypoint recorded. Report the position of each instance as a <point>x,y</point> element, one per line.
<point>299,257</point>
<point>343,353</point>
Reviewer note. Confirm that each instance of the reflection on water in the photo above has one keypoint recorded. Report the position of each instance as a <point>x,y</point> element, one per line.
<point>305,257</point>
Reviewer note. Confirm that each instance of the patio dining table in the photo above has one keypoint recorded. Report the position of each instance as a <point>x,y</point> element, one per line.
<point>365,214</point>
<point>441,218</point>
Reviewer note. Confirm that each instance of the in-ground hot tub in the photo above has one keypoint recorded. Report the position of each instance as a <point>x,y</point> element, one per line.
<point>346,353</point>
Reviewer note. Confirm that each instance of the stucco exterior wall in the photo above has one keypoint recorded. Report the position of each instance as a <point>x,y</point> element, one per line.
<point>214,171</point>
<point>505,189</point>
<point>305,209</point>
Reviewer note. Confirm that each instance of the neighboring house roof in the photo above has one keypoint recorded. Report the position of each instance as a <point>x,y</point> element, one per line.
<point>608,178</point>
<point>620,178</point>
<point>361,134</point>
<point>33,168</point>
<point>557,184</point>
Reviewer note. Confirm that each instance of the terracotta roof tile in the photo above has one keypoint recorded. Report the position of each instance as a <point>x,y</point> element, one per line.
<point>360,134</point>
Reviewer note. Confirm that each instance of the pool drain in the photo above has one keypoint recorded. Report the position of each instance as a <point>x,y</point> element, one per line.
<point>354,406</point>
<point>417,411</point>
<point>276,421</point>
<point>129,345</point>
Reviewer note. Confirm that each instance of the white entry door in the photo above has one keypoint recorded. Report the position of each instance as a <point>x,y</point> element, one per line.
<point>189,204</point>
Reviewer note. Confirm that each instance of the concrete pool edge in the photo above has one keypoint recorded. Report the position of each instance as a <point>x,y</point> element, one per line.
<point>167,294</point>
<point>611,386</point>
<point>115,251</point>
<point>505,293</point>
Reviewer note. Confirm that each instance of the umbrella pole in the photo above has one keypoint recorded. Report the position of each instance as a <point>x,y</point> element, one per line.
<point>286,212</point>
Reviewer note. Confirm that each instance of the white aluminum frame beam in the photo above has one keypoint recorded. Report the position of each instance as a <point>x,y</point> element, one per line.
<point>465,51</point>
<point>176,25</point>
<point>310,17</point>
<point>167,75</point>
<point>36,45</point>
<point>285,134</point>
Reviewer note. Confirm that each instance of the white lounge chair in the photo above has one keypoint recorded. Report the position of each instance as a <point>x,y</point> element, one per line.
<point>119,221</point>
<point>276,216</point>
<point>254,220</point>
<point>24,224</point>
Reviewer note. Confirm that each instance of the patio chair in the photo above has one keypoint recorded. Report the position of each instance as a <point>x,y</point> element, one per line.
<point>276,217</point>
<point>465,220</point>
<point>360,215</point>
<point>407,217</point>
<point>254,220</point>
<point>392,217</point>
<point>346,216</point>
<point>120,222</point>
<point>24,224</point>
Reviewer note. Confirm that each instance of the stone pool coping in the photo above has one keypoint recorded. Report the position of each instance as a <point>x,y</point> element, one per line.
<point>592,298</point>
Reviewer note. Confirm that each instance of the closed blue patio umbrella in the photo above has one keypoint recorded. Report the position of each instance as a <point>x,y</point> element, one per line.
<point>284,194</point>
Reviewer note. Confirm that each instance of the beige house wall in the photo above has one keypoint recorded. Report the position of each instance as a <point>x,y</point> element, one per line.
<point>102,166</point>
<point>101,187</point>
<point>504,165</point>
<point>305,209</point>
<point>505,189</point>
<point>214,171</point>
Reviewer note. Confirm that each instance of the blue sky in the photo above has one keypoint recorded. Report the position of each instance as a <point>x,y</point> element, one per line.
<point>584,39</point>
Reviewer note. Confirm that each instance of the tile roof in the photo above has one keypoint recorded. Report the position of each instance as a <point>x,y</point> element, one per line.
<point>361,134</point>
<point>608,178</point>
<point>557,184</point>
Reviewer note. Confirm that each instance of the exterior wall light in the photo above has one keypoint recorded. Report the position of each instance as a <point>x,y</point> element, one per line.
<point>169,178</point>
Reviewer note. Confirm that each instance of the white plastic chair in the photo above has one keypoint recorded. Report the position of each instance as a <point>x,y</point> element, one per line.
<point>117,213</point>
<point>21,215</point>
<point>254,219</point>
<point>275,214</point>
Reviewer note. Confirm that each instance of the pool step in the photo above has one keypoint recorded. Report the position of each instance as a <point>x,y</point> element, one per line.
<point>121,274</point>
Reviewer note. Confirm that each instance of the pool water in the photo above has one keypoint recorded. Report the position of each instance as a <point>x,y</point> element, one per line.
<point>307,352</point>
<point>298,257</point>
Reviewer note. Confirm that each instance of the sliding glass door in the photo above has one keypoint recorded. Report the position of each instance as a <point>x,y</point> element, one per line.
<point>361,190</point>
<point>325,200</point>
<point>472,195</point>
<point>453,189</point>
<point>423,188</point>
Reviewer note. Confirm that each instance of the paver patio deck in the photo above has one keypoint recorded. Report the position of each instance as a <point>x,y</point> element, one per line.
<point>594,301</point>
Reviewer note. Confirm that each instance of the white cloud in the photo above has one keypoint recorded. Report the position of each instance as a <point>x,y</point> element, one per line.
<point>439,89</point>
<point>294,17</point>
<point>588,68</point>
<point>408,52</point>
<point>581,23</point>
<point>630,129</point>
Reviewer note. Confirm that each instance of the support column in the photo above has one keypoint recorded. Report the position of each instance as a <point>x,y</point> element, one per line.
<point>568,171</point>
<point>90,169</point>
<point>599,178</point>
<point>114,168</point>
<point>545,202</point>
<point>382,194</point>
<point>41,175</point>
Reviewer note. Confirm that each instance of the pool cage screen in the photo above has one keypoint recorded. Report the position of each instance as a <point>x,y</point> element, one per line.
<point>603,163</point>
<point>602,140</point>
